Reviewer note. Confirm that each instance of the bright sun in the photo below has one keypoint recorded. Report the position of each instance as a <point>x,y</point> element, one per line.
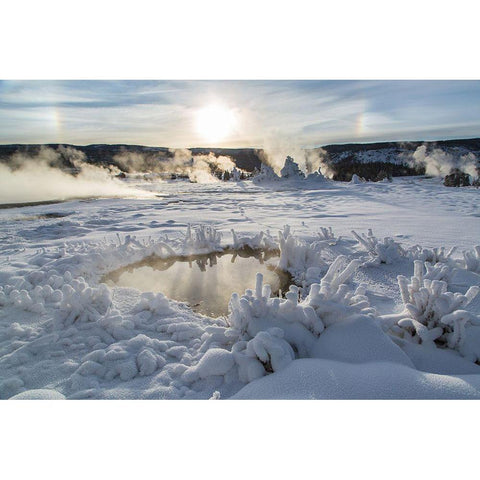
<point>215,122</point>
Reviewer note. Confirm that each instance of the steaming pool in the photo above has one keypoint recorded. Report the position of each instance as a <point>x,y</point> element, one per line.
<point>204,282</point>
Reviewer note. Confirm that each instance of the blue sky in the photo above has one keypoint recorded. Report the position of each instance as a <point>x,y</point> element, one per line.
<point>307,113</point>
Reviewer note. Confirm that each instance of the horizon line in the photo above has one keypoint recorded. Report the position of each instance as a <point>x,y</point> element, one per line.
<point>241,148</point>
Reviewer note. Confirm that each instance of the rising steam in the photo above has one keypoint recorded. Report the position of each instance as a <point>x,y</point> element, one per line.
<point>276,151</point>
<point>439,163</point>
<point>198,168</point>
<point>40,178</point>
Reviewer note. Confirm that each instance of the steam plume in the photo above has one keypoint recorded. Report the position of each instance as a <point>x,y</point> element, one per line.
<point>439,163</point>
<point>39,178</point>
<point>198,168</point>
<point>276,150</point>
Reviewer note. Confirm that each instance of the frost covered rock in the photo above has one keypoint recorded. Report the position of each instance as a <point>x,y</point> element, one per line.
<point>387,251</point>
<point>457,178</point>
<point>117,326</point>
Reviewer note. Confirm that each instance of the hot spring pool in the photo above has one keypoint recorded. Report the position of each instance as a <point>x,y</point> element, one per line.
<point>205,282</point>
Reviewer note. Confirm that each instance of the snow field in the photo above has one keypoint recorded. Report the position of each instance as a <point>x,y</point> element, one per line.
<point>346,320</point>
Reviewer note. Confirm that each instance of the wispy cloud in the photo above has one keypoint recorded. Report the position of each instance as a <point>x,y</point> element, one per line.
<point>163,112</point>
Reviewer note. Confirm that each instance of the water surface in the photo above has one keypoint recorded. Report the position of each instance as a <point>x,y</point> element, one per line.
<point>205,282</point>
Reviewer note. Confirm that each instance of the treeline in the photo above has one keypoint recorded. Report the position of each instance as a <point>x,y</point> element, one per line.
<point>372,171</point>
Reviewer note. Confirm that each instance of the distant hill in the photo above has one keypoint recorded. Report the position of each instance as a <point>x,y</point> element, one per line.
<point>104,154</point>
<point>375,161</point>
<point>369,160</point>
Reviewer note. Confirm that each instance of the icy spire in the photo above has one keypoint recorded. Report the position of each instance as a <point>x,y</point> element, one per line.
<point>291,169</point>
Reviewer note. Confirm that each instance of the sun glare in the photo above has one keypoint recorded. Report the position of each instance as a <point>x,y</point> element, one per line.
<point>215,122</point>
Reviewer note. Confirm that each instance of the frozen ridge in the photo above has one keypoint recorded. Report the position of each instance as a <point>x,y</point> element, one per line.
<point>369,316</point>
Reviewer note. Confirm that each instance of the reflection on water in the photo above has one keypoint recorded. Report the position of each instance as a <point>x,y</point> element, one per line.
<point>205,282</point>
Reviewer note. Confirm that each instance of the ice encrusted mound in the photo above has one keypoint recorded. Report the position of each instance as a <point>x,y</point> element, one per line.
<point>269,332</point>
<point>266,175</point>
<point>302,260</point>
<point>305,261</point>
<point>356,180</point>
<point>291,170</point>
<point>316,177</point>
<point>433,316</point>
<point>290,174</point>
<point>387,251</point>
<point>235,175</point>
<point>472,259</point>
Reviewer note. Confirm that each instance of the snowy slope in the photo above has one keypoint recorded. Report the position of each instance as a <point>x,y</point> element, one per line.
<point>398,152</point>
<point>62,331</point>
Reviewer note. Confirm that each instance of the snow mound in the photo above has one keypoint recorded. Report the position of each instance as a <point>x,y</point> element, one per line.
<point>387,251</point>
<point>38,394</point>
<point>356,180</point>
<point>328,379</point>
<point>358,340</point>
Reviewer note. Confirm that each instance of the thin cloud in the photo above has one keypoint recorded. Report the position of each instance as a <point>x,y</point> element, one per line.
<point>163,112</point>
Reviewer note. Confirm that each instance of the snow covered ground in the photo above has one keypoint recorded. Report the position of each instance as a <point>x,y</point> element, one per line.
<point>348,329</point>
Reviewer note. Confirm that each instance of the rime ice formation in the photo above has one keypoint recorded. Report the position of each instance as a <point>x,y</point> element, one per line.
<point>433,315</point>
<point>291,169</point>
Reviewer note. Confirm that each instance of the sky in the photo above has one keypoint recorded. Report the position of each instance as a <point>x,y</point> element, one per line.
<point>256,113</point>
